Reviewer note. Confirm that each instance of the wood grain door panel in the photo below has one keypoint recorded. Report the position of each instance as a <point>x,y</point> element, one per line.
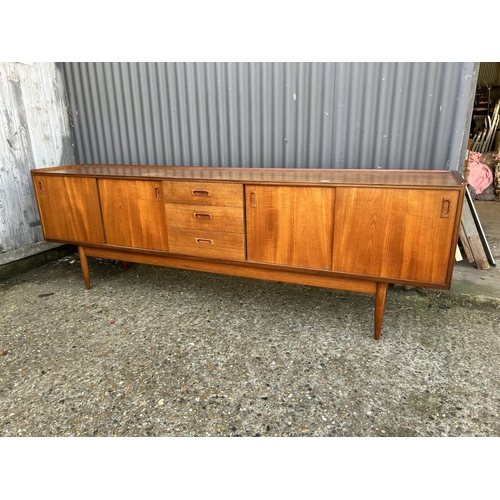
<point>69,209</point>
<point>133,213</point>
<point>402,234</point>
<point>290,225</point>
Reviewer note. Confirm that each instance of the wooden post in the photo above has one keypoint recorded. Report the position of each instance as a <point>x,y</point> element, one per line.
<point>465,245</point>
<point>471,232</point>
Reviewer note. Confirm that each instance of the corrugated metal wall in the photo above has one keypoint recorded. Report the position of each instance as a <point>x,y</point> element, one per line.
<point>489,74</point>
<point>34,133</point>
<point>311,115</point>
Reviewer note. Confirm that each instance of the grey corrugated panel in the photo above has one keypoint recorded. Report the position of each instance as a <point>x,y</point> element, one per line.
<point>313,115</point>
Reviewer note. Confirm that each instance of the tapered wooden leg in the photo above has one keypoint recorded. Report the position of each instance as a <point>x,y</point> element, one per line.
<point>380,307</point>
<point>125,265</point>
<point>84,263</point>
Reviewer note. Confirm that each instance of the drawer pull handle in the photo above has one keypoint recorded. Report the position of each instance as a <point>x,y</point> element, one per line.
<point>157,193</point>
<point>40,187</point>
<point>204,241</point>
<point>252,199</point>
<point>203,216</point>
<point>200,192</point>
<point>445,207</point>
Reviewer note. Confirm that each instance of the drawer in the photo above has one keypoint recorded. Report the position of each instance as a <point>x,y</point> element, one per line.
<point>205,217</point>
<point>211,244</point>
<point>203,193</point>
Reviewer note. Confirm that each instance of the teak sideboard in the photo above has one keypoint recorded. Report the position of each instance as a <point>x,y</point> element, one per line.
<point>355,230</point>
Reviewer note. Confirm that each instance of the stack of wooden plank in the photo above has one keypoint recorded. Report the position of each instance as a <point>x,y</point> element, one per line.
<point>472,237</point>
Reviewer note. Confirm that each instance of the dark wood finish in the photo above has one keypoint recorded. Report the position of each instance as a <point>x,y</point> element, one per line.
<point>133,213</point>
<point>69,209</point>
<point>397,234</point>
<point>290,225</point>
<point>351,230</point>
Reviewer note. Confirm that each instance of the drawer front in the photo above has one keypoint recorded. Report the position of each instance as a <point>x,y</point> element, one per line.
<point>205,217</point>
<point>211,244</point>
<point>203,193</point>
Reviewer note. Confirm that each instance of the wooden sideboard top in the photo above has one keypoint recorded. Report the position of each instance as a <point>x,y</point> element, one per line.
<point>393,178</point>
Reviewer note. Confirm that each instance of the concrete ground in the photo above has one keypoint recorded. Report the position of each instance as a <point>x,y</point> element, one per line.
<point>164,352</point>
<point>467,279</point>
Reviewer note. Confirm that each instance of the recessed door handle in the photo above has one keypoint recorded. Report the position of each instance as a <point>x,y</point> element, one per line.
<point>445,207</point>
<point>204,241</point>
<point>252,199</point>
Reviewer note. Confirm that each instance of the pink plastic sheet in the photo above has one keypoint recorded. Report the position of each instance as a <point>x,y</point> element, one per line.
<point>480,175</point>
